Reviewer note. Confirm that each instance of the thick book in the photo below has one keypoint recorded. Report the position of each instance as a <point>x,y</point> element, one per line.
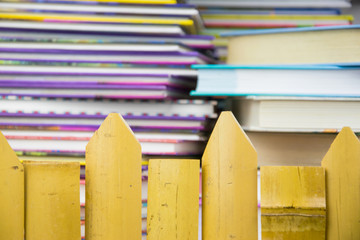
<point>305,80</point>
<point>313,45</point>
<point>297,114</point>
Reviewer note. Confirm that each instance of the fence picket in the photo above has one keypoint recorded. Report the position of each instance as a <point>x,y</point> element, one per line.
<point>11,193</point>
<point>229,178</point>
<point>293,203</point>
<point>342,166</point>
<point>113,183</point>
<point>173,199</point>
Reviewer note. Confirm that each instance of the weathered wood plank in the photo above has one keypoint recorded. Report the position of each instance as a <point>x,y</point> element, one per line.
<point>173,199</point>
<point>342,165</point>
<point>113,183</point>
<point>11,193</point>
<point>229,178</point>
<point>293,203</point>
<point>52,200</point>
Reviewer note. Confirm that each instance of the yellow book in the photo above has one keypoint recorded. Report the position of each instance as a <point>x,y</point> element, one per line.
<point>118,1</point>
<point>186,23</point>
<point>311,45</point>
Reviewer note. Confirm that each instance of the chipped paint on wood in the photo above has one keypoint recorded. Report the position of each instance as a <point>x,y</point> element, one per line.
<point>173,199</point>
<point>52,200</point>
<point>293,203</point>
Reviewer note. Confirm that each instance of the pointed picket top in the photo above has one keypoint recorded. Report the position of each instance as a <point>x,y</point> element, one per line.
<point>114,126</point>
<point>342,166</point>
<point>11,193</point>
<point>229,178</point>
<point>113,182</point>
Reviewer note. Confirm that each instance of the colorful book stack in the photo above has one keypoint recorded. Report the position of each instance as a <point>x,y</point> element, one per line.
<point>230,15</point>
<point>65,65</point>
<point>293,89</point>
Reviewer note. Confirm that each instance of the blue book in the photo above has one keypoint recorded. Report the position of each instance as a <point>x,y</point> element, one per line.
<point>287,30</point>
<point>281,80</point>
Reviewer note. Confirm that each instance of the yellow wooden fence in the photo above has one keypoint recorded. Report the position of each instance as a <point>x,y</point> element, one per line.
<point>41,199</point>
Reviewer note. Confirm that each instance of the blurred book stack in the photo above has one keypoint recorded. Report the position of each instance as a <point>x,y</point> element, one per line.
<point>65,65</point>
<point>230,15</point>
<point>92,58</point>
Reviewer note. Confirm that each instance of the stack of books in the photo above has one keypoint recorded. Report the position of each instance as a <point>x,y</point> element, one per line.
<point>68,64</point>
<point>65,65</point>
<point>230,15</point>
<point>292,89</point>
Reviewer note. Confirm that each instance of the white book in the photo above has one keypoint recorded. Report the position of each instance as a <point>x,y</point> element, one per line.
<point>85,136</point>
<point>118,58</point>
<point>145,80</point>
<point>27,105</point>
<point>141,122</point>
<point>50,36</point>
<point>62,142</point>
<point>78,92</point>
<point>100,28</point>
<point>297,114</point>
<point>185,10</point>
<point>103,71</point>
<point>111,47</point>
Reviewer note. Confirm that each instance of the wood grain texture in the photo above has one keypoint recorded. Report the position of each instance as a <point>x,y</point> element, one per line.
<point>229,182</point>
<point>11,193</point>
<point>173,199</point>
<point>52,200</point>
<point>293,204</point>
<point>113,183</point>
<point>342,165</point>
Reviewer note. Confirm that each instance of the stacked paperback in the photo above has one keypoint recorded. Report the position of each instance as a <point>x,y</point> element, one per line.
<point>65,65</point>
<point>241,15</point>
<point>293,89</point>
